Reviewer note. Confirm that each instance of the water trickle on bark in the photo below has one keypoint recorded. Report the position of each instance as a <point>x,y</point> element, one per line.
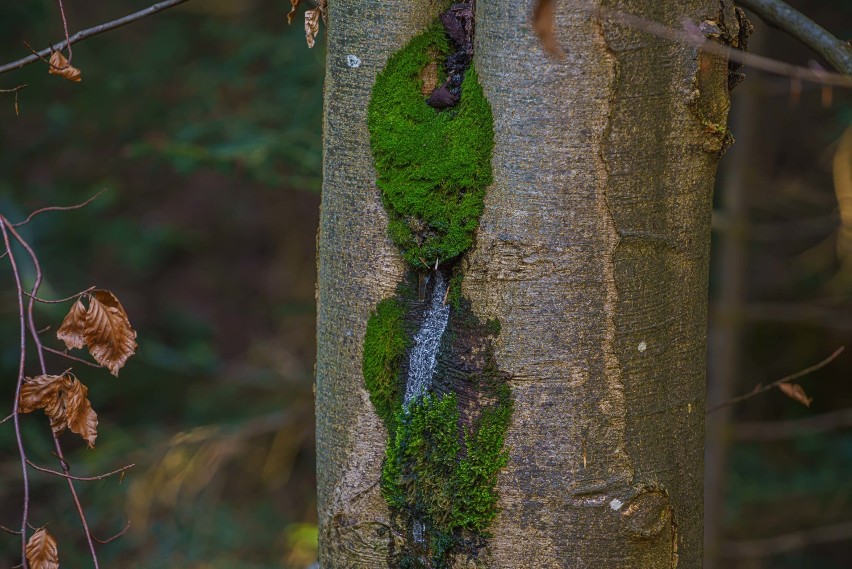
<point>427,341</point>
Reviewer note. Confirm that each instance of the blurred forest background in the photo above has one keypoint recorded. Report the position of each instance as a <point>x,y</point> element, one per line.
<point>204,123</point>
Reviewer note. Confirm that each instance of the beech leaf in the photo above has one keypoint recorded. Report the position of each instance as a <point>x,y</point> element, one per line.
<point>109,336</point>
<point>79,415</point>
<point>59,66</point>
<point>796,392</point>
<point>72,329</point>
<point>65,402</point>
<point>45,392</point>
<point>312,25</point>
<point>41,550</point>
<point>294,4</point>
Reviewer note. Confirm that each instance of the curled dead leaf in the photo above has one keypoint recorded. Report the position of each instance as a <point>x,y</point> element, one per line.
<point>65,402</point>
<point>59,66</point>
<point>294,4</point>
<point>796,392</point>
<point>108,334</point>
<point>41,550</point>
<point>45,392</point>
<point>72,329</point>
<point>312,25</point>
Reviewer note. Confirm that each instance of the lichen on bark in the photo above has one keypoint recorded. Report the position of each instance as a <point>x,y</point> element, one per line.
<point>445,448</point>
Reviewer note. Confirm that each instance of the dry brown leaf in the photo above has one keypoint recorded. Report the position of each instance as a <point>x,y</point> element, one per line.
<point>312,25</point>
<point>79,415</point>
<point>794,391</point>
<point>45,392</point>
<point>109,336</point>
<point>60,66</point>
<point>65,402</point>
<point>294,4</point>
<point>42,552</point>
<point>72,329</point>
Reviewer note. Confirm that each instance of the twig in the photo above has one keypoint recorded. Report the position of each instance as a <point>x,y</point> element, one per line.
<point>784,17</point>
<point>694,37</point>
<point>787,542</point>
<point>59,208</point>
<point>61,300</point>
<point>79,478</point>
<point>4,227</point>
<point>15,91</point>
<point>65,27</point>
<point>41,57</point>
<point>113,538</point>
<point>70,357</point>
<point>758,389</point>
<point>89,32</point>
<point>7,530</point>
<point>40,353</point>
<point>6,418</point>
<point>762,431</point>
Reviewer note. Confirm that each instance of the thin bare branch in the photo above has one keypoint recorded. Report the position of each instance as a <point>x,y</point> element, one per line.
<point>784,17</point>
<point>79,478</point>
<point>4,227</point>
<point>89,32</point>
<point>12,531</point>
<point>765,431</point>
<point>59,208</point>
<point>758,389</point>
<point>70,357</point>
<point>65,27</point>
<point>40,353</point>
<point>114,537</point>
<point>7,417</point>
<point>787,542</point>
<point>61,300</point>
<point>694,37</point>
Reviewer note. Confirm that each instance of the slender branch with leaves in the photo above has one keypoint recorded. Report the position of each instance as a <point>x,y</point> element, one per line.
<point>96,321</point>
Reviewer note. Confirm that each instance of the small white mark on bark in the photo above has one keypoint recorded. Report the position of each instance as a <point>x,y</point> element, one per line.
<point>689,407</point>
<point>616,504</point>
<point>353,60</point>
<point>642,346</point>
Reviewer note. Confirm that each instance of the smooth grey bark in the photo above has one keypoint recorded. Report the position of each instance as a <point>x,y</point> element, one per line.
<point>593,253</point>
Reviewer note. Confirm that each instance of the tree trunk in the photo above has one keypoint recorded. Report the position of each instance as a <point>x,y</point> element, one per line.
<point>591,253</point>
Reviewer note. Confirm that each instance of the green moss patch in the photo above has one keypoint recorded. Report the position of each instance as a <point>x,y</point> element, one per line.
<point>385,344</point>
<point>433,166</point>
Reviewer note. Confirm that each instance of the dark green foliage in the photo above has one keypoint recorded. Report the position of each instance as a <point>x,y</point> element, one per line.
<point>385,343</point>
<point>433,166</point>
